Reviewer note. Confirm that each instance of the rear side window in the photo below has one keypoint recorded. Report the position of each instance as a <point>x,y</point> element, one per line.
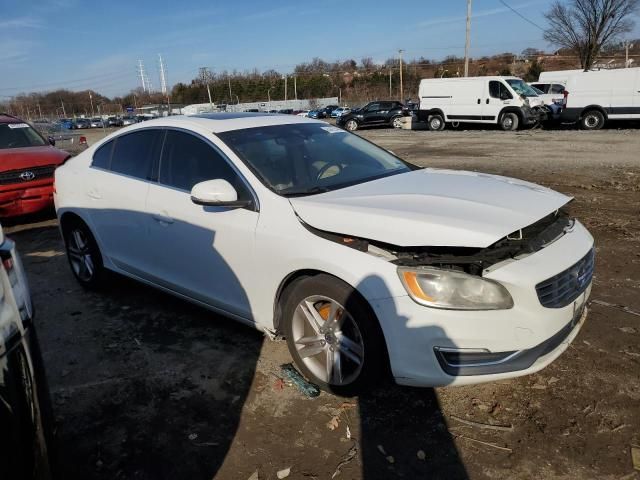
<point>555,88</point>
<point>135,153</point>
<point>102,157</point>
<point>187,160</point>
<point>542,86</point>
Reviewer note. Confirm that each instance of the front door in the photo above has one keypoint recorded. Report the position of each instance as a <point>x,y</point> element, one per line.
<point>205,253</point>
<point>373,114</point>
<point>498,97</point>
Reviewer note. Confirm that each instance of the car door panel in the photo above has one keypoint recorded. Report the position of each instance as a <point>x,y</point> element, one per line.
<point>493,102</point>
<point>203,252</point>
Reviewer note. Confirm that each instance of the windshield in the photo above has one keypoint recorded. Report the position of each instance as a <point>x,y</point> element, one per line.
<point>521,87</point>
<point>19,135</point>
<point>302,159</point>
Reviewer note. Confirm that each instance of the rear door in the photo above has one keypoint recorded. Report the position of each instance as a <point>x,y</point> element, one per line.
<point>466,100</point>
<point>117,186</point>
<point>623,87</point>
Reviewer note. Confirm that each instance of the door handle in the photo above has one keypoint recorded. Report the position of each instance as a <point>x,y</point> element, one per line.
<point>162,220</point>
<point>487,102</point>
<point>478,101</point>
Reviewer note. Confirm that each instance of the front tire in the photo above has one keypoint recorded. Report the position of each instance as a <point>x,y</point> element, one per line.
<point>435,122</point>
<point>333,335</point>
<point>83,254</point>
<point>396,122</point>
<point>592,120</point>
<point>351,125</point>
<point>509,122</point>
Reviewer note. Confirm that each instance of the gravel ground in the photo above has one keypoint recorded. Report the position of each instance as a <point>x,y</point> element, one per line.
<point>146,386</point>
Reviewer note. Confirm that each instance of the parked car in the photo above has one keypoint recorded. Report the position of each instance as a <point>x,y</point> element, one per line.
<point>303,113</point>
<point>27,163</point>
<point>61,137</point>
<point>329,109</point>
<point>374,113</point>
<point>318,113</point>
<point>66,123</point>
<point>340,111</point>
<point>128,121</point>
<point>553,106</point>
<point>365,263</point>
<point>286,111</point>
<point>26,436</point>
<point>80,123</point>
<point>97,122</point>
<point>593,98</point>
<point>506,101</point>
<point>114,122</point>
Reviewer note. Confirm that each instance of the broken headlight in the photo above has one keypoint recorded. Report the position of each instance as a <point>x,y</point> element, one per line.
<point>449,289</point>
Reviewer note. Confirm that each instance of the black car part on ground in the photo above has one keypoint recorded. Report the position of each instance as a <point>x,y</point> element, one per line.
<point>470,260</point>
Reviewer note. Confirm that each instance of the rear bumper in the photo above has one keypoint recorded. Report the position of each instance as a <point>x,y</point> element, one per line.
<point>25,200</point>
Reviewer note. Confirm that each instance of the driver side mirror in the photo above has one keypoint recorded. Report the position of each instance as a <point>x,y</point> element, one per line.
<point>52,141</point>
<point>217,193</point>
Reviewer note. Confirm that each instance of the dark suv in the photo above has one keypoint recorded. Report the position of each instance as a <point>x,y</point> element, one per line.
<point>374,113</point>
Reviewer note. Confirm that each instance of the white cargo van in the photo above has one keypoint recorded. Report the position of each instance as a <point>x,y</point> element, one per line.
<point>506,101</point>
<point>595,97</point>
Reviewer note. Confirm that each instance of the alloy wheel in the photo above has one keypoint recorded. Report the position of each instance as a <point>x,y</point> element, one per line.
<point>397,122</point>
<point>328,340</point>
<point>80,255</point>
<point>351,125</point>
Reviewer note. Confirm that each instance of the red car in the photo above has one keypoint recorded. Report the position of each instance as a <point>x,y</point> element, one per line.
<point>27,162</point>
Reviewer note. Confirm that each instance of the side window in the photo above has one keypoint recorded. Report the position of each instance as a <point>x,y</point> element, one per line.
<point>187,160</point>
<point>544,87</point>
<point>498,90</point>
<point>102,157</point>
<point>135,153</point>
<point>556,88</point>
<point>374,107</point>
<point>386,105</point>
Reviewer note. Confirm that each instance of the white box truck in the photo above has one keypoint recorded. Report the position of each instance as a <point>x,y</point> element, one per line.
<point>507,101</point>
<point>592,98</point>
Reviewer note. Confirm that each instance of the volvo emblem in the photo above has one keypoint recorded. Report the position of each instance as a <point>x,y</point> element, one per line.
<point>26,176</point>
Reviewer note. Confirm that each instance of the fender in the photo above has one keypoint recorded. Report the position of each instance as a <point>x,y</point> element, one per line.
<point>600,108</point>
<point>511,109</point>
<point>423,115</point>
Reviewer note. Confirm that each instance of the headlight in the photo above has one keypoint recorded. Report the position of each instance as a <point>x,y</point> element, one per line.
<point>453,290</point>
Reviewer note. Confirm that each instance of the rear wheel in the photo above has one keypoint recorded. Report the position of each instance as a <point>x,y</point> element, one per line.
<point>509,121</point>
<point>83,254</point>
<point>332,335</point>
<point>396,122</point>
<point>351,125</point>
<point>435,122</point>
<point>592,120</point>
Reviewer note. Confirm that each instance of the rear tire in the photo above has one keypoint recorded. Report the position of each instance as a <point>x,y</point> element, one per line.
<point>509,122</point>
<point>396,122</point>
<point>592,120</point>
<point>333,335</point>
<point>435,122</point>
<point>351,125</point>
<point>83,254</point>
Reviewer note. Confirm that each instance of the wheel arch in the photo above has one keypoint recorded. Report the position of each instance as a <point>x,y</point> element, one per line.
<point>516,110</point>
<point>67,218</point>
<point>599,108</point>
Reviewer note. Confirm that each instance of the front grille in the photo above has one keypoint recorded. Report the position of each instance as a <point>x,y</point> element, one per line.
<point>563,288</point>
<point>26,175</point>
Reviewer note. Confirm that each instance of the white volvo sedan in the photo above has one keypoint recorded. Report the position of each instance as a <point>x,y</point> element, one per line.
<point>365,263</point>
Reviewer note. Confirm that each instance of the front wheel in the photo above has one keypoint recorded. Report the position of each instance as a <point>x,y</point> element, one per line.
<point>592,120</point>
<point>509,122</point>
<point>435,123</point>
<point>333,336</point>
<point>351,125</point>
<point>396,122</point>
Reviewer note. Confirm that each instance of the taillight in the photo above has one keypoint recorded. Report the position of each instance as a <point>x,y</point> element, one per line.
<point>83,140</point>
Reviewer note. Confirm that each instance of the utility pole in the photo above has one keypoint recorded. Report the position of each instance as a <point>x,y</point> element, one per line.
<point>468,40</point>
<point>285,89</point>
<point>295,87</point>
<point>91,100</point>
<point>401,90</point>
<point>163,78</point>
<point>389,83</point>
<point>142,75</point>
<point>627,46</point>
<point>39,110</point>
<point>229,80</point>
<point>63,112</point>
<point>209,93</point>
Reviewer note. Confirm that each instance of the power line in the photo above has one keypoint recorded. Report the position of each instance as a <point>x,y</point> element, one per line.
<point>521,16</point>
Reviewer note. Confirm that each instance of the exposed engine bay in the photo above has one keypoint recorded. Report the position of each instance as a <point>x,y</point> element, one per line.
<point>474,261</point>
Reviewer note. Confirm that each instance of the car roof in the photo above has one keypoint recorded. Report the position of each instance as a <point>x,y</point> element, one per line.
<point>6,118</point>
<point>225,121</point>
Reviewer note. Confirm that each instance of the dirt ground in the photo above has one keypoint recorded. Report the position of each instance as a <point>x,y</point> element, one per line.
<point>146,386</point>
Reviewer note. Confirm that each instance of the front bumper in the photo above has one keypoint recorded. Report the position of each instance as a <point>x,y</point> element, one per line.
<point>25,200</point>
<point>535,335</point>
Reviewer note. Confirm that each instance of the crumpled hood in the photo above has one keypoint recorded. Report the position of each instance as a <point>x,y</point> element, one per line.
<point>431,207</point>
<point>29,157</point>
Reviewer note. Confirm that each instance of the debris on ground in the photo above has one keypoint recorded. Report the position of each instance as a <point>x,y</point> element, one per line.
<point>333,423</point>
<point>490,426</point>
<point>635,456</point>
<point>347,458</point>
<point>382,450</point>
<point>488,444</point>
<point>348,433</point>
<point>390,459</point>
<point>307,388</point>
<point>193,436</point>
<point>283,473</point>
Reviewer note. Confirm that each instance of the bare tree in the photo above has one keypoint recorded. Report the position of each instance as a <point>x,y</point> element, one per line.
<point>585,26</point>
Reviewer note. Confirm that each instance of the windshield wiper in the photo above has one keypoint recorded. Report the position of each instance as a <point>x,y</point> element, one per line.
<point>308,191</point>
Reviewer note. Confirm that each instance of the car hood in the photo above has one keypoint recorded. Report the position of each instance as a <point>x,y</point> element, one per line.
<point>431,207</point>
<point>17,158</point>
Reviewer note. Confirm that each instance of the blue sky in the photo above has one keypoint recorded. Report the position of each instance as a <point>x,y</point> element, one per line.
<point>47,44</point>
